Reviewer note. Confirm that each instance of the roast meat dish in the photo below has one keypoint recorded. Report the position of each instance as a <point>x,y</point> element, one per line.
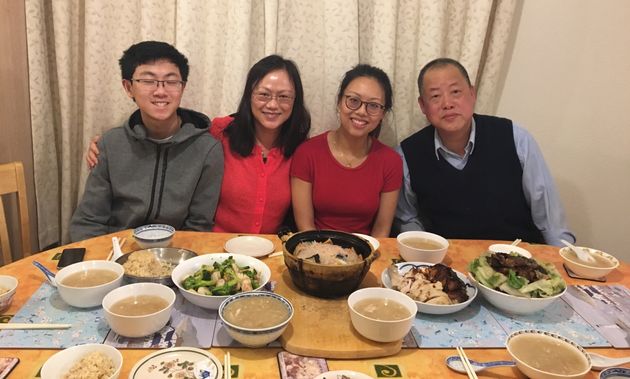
<point>436,284</point>
<point>522,266</point>
<point>326,253</point>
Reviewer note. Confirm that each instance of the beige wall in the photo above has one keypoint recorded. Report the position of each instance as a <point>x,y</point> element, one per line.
<point>568,83</point>
<point>15,121</point>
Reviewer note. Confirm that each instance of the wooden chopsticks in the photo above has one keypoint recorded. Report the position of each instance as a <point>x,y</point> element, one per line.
<point>466,363</point>
<point>227,372</point>
<point>121,242</point>
<point>18,325</point>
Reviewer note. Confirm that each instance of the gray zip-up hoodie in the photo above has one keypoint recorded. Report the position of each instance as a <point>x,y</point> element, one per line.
<point>140,181</point>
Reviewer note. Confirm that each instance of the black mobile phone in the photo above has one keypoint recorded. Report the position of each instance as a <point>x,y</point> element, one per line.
<point>6,365</point>
<point>70,256</point>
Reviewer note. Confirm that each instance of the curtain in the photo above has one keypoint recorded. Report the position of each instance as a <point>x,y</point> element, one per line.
<point>76,90</point>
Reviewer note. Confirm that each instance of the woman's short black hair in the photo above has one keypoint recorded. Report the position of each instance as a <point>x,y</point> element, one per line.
<point>149,52</point>
<point>293,132</point>
<point>366,70</point>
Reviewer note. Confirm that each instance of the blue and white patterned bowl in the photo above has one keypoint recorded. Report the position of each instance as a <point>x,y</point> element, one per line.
<point>255,337</point>
<point>153,235</point>
<point>615,373</point>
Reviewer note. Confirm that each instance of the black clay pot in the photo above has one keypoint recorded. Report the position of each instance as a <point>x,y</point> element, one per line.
<point>327,281</point>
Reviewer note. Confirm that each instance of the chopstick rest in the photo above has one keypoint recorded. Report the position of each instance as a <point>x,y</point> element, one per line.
<point>19,325</point>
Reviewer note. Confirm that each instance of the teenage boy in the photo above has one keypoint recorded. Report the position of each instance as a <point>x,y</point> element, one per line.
<point>161,165</point>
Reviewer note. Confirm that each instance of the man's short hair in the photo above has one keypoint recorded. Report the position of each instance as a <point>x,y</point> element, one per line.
<point>439,63</point>
<point>149,52</point>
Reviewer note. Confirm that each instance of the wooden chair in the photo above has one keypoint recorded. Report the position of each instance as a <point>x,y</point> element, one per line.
<point>12,181</point>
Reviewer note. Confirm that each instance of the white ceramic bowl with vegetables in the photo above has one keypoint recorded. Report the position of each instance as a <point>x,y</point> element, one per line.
<point>516,284</point>
<point>209,279</point>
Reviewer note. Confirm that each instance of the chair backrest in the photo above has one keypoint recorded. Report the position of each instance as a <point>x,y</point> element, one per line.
<point>12,181</point>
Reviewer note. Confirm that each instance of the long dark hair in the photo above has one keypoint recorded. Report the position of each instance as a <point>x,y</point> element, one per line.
<point>365,70</point>
<point>293,132</point>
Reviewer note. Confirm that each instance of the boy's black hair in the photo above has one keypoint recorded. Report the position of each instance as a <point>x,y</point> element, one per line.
<point>149,52</point>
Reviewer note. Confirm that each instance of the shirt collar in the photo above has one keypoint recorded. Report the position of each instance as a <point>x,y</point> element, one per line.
<point>470,146</point>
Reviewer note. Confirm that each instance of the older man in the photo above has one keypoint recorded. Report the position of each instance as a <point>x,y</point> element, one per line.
<point>161,165</point>
<point>474,176</point>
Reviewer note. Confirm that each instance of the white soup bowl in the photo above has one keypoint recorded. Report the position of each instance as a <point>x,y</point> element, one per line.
<point>87,297</point>
<point>138,326</point>
<point>380,330</point>
<point>413,254</point>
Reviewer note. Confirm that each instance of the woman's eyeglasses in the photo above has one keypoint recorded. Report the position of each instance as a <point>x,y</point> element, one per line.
<point>265,97</point>
<point>372,108</point>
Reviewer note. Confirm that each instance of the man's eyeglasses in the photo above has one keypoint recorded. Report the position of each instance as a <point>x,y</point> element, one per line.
<point>372,108</point>
<point>153,84</point>
<point>265,97</point>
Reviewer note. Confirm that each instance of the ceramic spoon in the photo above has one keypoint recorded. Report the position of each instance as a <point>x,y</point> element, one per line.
<point>454,362</point>
<point>582,255</point>
<point>50,276</point>
<point>601,362</point>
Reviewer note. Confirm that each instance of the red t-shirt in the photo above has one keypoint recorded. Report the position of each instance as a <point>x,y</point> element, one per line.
<point>255,196</point>
<point>344,198</point>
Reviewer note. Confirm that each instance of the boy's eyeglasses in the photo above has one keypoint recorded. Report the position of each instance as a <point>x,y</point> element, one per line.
<point>153,84</point>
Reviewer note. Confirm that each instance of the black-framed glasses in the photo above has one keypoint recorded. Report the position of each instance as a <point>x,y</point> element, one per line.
<point>265,97</point>
<point>372,108</point>
<point>153,84</point>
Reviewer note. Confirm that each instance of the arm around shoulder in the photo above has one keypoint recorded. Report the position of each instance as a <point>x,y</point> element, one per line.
<point>206,196</point>
<point>94,210</point>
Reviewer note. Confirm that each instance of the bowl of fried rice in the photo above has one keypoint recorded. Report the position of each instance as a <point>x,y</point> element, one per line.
<point>91,360</point>
<point>153,265</point>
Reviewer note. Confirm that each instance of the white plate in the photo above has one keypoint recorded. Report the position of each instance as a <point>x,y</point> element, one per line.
<point>507,248</point>
<point>434,309</point>
<point>200,362</point>
<point>249,245</point>
<point>373,241</point>
<point>343,374</point>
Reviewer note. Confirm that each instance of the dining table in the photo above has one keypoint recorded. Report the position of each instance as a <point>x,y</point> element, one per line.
<point>259,363</point>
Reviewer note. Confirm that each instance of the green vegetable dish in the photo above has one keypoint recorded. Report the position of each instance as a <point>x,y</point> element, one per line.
<point>517,275</point>
<point>222,279</point>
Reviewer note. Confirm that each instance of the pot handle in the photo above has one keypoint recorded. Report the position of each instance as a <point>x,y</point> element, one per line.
<point>374,256</point>
<point>284,234</point>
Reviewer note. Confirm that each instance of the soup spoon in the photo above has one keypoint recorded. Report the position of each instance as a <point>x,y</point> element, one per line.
<point>601,362</point>
<point>582,254</point>
<point>454,362</point>
<point>50,276</point>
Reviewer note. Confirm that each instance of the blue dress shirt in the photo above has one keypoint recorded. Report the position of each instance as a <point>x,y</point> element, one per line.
<point>538,186</point>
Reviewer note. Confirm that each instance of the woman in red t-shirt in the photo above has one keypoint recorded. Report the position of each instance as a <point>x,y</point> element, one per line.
<point>346,179</point>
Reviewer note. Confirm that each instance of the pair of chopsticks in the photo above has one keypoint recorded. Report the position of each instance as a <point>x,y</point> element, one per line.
<point>18,325</point>
<point>466,363</point>
<point>121,242</point>
<point>517,241</point>
<point>227,372</point>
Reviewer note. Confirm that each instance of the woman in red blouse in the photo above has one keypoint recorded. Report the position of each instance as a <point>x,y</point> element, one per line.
<point>258,143</point>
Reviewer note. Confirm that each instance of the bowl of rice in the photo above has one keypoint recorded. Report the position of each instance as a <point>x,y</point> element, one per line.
<point>153,265</point>
<point>84,361</point>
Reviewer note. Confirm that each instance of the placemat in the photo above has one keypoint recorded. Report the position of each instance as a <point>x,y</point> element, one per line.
<point>605,308</point>
<point>481,325</point>
<point>46,306</point>
<point>189,325</point>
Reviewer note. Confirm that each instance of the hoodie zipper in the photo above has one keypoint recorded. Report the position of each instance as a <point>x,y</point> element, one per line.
<point>153,186</point>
